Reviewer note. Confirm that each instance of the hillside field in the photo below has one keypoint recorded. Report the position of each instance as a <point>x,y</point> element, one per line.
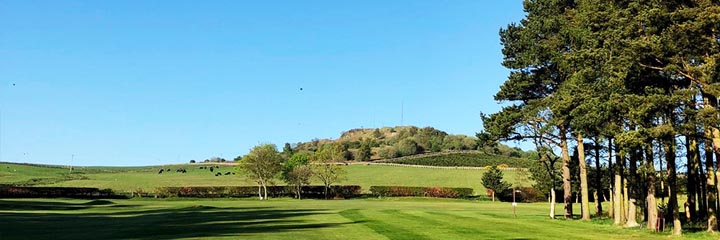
<point>147,179</point>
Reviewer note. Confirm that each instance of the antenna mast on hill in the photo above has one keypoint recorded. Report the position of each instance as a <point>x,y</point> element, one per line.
<point>402,112</point>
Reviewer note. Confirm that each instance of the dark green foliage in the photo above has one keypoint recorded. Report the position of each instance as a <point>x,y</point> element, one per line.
<point>525,194</point>
<point>463,159</point>
<point>493,179</point>
<point>317,192</point>
<point>365,151</point>
<point>405,191</point>
<point>406,147</point>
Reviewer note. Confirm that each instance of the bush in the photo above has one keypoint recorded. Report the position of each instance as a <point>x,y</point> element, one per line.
<point>526,194</point>
<point>404,191</point>
<point>348,191</point>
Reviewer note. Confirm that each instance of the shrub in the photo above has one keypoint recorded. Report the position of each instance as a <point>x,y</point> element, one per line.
<point>404,191</point>
<point>526,194</point>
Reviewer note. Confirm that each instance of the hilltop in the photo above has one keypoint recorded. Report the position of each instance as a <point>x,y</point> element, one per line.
<point>369,144</point>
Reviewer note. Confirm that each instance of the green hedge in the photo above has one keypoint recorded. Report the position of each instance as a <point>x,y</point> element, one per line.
<point>347,191</point>
<point>462,160</point>
<point>56,192</point>
<point>405,191</point>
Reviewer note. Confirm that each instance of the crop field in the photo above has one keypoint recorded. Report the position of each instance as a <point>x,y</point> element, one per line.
<point>390,218</point>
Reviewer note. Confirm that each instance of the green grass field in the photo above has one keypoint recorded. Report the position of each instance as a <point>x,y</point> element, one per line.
<point>395,218</point>
<point>147,178</point>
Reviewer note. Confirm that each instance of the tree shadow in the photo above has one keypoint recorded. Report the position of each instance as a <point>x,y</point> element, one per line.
<point>109,222</point>
<point>18,205</point>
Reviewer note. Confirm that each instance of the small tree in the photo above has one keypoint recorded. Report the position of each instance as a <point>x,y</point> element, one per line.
<point>288,150</point>
<point>325,166</point>
<point>297,173</point>
<point>493,180</point>
<point>262,164</point>
<point>365,152</point>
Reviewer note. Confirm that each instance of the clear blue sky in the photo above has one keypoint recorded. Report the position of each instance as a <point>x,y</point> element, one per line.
<point>154,82</point>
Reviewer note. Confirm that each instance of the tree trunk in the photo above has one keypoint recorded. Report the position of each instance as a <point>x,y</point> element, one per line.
<point>611,206</point>
<point>260,191</point>
<point>702,191</point>
<point>326,191</point>
<point>693,163</point>
<point>265,189</point>
<point>583,178</point>
<point>672,185</point>
<point>552,203</point>
<point>598,180</point>
<point>711,190</point>
<point>618,198</point>
<point>567,188</point>
<point>631,191</point>
<point>712,141</point>
<point>650,199</point>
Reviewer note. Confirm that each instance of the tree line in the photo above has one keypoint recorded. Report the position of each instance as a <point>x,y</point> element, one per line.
<point>637,80</point>
<point>265,164</point>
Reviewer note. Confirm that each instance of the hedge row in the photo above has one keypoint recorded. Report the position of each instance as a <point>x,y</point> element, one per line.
<point>461,160</point>
<point>348,191</point>
<point>56,192</point>
<point>404,191</point>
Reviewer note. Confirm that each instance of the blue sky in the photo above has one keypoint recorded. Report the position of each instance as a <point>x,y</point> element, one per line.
<point>153,82</point>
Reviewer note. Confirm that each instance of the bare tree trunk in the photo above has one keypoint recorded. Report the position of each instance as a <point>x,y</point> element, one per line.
<point>260,191</point>
<point>567,188</point>
<point>611,206</point>
<point>326,191</point>
<point>583,178</point>
<point>265,188</point>
<point>552,204</point>
<point>631,191</point>
<point>598,180</point>
<point>618,198</point>
<point>651,202</point>
<point>711,144</point>
<point>693,163</point>
<point>672,185</point>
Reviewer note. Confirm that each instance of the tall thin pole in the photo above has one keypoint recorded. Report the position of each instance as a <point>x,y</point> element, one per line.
<point>402,112</point>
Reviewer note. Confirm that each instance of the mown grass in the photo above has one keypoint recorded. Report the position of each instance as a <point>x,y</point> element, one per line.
<point>147,179</point>
<point>394,218</point>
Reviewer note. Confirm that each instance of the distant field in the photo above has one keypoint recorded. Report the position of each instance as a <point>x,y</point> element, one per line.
<point>147,178</point>
<point>461,159</point>
<point>403,218</point>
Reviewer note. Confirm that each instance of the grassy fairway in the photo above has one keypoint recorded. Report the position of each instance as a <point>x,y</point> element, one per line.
<point>148,179</point>
<point>294,219</point>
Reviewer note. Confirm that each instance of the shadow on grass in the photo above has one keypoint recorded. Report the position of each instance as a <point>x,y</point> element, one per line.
<point>108,222</point>
<point>18,205</point>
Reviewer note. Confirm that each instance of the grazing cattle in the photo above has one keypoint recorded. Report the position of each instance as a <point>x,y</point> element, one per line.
<point>233,173</point>
<point>161,171</point>
<point>218,174</point>
<point>211,169</point>
<point>227,173</point>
